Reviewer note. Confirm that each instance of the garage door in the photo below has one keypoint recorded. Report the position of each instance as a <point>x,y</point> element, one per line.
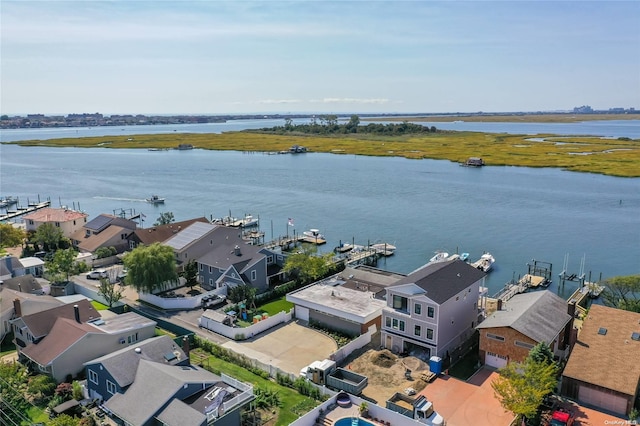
<point>495,360</point>
<point>604,400</point>
<point>302,313</point>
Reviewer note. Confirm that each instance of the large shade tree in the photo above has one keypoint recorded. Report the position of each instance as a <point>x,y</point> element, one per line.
<point>150,267</point>
<point>62,265</point>
<point>306,267</point>
<point>48,236</point>
<point>10,236</point>
<point>623,293</point>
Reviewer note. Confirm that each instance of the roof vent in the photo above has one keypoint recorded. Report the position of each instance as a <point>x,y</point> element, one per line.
<point>602,331</point>
<point>138,350</point>
<point>635,336</point>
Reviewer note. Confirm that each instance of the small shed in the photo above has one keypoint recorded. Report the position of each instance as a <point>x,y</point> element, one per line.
<point>67,407</point>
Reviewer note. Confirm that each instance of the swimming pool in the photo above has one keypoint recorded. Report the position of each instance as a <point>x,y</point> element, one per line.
<point>348,421</point>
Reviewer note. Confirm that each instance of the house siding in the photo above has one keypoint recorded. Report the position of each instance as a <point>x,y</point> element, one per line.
<point>506,348</point>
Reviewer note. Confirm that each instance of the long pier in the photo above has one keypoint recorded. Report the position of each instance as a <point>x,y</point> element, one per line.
<point>19,211</point>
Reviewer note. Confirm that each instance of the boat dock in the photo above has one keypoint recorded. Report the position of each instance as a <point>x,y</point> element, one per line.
<point>19,211</point>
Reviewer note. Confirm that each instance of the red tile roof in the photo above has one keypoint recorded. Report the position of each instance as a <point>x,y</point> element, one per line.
<point>54,215</point>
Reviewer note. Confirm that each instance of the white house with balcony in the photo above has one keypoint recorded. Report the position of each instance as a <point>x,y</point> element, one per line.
<point>433,310</point>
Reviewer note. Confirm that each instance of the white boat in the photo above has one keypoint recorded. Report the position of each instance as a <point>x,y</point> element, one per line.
<point>314,234</point>
<point>154,199</point>
<point>439,256</point>
<point>485,262</point>
<point>7,202</point>
<point>248,221</point>
<point>464,256</point>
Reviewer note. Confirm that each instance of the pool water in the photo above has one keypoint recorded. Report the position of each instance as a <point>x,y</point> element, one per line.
<point>348,421</point>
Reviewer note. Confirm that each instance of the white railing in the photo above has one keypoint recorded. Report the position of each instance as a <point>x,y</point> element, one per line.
<point>241,333</point>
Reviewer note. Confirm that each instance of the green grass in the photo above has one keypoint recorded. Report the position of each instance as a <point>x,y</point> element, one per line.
<point>161,332</point>
<point>99,306</point>
<point>613,157</point>
<point>289,397</point>
<point>37,415</point>
<point>276,306</point>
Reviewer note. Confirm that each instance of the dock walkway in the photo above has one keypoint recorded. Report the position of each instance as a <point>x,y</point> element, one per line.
<point>19,211</point>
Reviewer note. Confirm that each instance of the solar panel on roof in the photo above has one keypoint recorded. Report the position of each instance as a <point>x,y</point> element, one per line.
<point>98,223</point>
<point>635,336</point>
<point>192,233</point>
<point>602,331</point>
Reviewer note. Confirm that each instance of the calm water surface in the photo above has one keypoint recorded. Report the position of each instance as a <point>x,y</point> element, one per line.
<point>421,206</point>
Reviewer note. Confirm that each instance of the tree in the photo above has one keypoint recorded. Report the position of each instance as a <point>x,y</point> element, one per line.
<point>63,420</point>
<point>623,292</point>
<point>307,267</point>
<point>521,387</point>
<point>242,292</point>
<point>62,265</point>
<point>541,353</point>
<point>109,291</point>
<point>149,267</point>
<point>49,236</point>
<point>190,274</point>
<point>10,236</point>
<point>165,219</point>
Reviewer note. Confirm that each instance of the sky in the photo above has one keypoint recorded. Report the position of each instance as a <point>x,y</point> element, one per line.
<point>241,57</point>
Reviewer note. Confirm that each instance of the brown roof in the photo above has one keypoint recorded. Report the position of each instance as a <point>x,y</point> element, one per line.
<point>161,233</point>
<point>64,333</point>
<point>95,241</point>
<point>54,215</point>
<point>40,323</point>
<point>608,360</point>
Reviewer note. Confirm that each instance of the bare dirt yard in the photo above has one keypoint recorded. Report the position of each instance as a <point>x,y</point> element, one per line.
<point>386,373</point>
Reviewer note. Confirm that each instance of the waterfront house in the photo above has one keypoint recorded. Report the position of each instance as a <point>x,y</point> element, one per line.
<point>114,373</point>
<point>433,310</point>
<point>104,231</point>
<point>69,221</point>
<point>346,301</point>
<point>603,370</point>
<point>160,233</point>
<point>179,395</point>
<point>522,322</point>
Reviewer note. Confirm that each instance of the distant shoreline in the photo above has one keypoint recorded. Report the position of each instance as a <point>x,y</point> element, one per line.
<point>509,118</point>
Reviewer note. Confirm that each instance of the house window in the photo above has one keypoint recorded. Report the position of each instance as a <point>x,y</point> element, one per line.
<point>254,275</point>
<point>400,303</point>
<point>417,309</point>
<point>201,267</point>
<point>431,312</point>
<point>210,269</point>
<point>395,324</point>
<point>387,322</point>
<point>185,255</point>
<point>401,325</point>
<point>211,281</point>
<point>416,330</point>
<point>111,387</point>
<point>58,224</point>
<point>30,222</point>
<point>74,222</point>
<point>93,377</point>
<point>523,344</point>
<point>269,259</point>
<point>495,337</point>
<point>429,333</point>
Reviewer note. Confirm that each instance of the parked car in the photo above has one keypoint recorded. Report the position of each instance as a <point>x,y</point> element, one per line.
<point>214,300</point>
<point>97,274</point>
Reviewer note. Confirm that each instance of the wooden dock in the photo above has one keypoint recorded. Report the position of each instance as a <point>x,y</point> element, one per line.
<point>19,211</point>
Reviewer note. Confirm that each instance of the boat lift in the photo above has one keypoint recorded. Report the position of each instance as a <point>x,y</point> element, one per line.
<point>564,276</point>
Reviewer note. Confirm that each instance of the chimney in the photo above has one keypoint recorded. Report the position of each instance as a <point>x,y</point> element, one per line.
<point>17,308</point>
<point>499,308</point>
<point>571,310</point>
<point>236,250</point>
<point>185,345</point>
<point>76,311</point>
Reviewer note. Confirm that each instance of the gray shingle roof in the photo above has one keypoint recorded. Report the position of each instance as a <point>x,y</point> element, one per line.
<point>40,323</point>
<point>443,280</point>
<point>178,413</point>
<point>540,315</point>
<point>123,364</point>
<point>154,386</point>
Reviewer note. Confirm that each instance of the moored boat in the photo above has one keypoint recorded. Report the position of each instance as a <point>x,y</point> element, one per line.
<point>439,256</point>
<point>384,249</point>
<point>314,234</point>
<point>485,262</point>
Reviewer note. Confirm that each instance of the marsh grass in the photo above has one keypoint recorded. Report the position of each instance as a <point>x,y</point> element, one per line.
<point>615,157</point>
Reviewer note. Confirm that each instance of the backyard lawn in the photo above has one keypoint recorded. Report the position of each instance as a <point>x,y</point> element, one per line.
<point>276,306</point>
<point>99,306</point>
<point>293,404</point>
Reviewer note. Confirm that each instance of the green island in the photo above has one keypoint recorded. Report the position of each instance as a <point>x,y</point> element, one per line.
<point>589,154</point>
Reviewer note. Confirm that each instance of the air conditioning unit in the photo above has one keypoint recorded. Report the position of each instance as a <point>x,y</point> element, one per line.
<point>123,341</point>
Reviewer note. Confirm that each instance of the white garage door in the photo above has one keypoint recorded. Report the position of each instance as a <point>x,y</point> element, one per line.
<point>495,360</point>
<point>604,400</point>
<point>302,313</point>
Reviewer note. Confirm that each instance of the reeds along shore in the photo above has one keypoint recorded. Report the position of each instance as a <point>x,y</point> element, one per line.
<point>589,154</point>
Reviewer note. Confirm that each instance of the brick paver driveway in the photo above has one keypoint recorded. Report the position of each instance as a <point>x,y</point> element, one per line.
<point>467,403</point>
<point>289,347</point>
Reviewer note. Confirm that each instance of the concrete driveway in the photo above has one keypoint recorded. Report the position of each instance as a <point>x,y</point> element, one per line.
<point>468,403</point>
<point>290,347</point>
